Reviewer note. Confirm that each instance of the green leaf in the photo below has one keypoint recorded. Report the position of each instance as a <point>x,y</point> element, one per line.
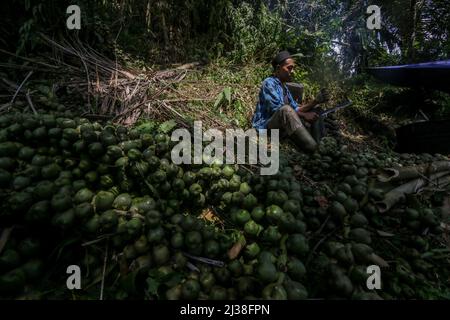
<point>173,279</point>
<point>146,127</point>
<point>227,94</point>
<point>219,100</point>
<point>152,286</point>
<point>167,126</point>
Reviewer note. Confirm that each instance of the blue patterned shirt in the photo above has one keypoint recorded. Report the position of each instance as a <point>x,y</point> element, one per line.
<point>271,98</point>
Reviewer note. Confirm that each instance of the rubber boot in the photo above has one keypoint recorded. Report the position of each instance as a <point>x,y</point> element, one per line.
<point>303,140</point>
<point>318,129</point>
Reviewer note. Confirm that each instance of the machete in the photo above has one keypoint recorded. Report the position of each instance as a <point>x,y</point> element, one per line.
<point>340,106</point>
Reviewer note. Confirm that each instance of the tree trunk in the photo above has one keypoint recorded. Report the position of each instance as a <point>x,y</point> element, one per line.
<point>416,11</point>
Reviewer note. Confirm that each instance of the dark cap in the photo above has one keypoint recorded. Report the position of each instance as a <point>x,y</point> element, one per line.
<point>280,57</point>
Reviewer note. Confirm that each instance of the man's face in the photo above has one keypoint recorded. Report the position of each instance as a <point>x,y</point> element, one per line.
<point>285,70</point>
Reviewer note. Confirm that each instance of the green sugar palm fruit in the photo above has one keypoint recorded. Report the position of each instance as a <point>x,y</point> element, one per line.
<point>274,292</point>
<point>50,171</point>
<point>250,201</point>
<point>236,268</point>
<point>237,198</point>
<point>84,211</point>
<point>193,239</point>
<point>7,163</point>
<point>5,178</point>
<point>106,181</point>
<point>252,228</point>
<point>29,247</point>
<point>297,244</point>
<point>350,205</point>
<point>26,153</point>
<point>292,206</point>
<point>153,218</point>
<point>114,152</point>
<point>160,254</point>
<point>359,191</point>
<point>207,281</point>
<point>211,248</point>
<point>271,234</point>
<point>61,202</point>
<point>189,222</point>
<point>362,252</point>
<point>134,226</point>
<point>241,217</point>
<point>252,250</point>
<point>266,256</point>
<point>122,227</point>
<point>227,171</point>
<point>83,195</point>
<point>343,285</point>
<point>208,232</point>
<point>358,275</point>
<point>179,260</point>
<point>344,255</point>
<point>20,201</point>
<point>103,200</point>
<point>78,185</point>
<point>244,188</point>
<point>38,213</point>
<point>222,275</point>
<point>107,139</point>
<point>92,226</point>
<point>21,182</point>
<point>64,220</point>
<point>337,210</point>
<point>95,150</point>
<point>246,285</point>
<point>412,214</point>
<point>109,220</point>
<point>274,213</point>
<point>9,259</point>
<point>173,293</point>
<point>358,220</point>
<point>296,269</point>
<point>257,213</point>
<point>340,196</point>
<point>129,252</point>
<point>177,240</point>
<point>218,293</point>
<point>8,149</point>
<point>122,202</point>
<point>190,290</point>
<point>13,282</point>
<point>360,235</point>
<point>295,290</point>
<point>155,235</point>
<point>266,272</point>
<point>141,245</point>
<point>33,269</point>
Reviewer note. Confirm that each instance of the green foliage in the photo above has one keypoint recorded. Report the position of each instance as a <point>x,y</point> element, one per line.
<point>223,97</point>
<point>254,33</point>
<point>146,127</point>
<point>167,126</point>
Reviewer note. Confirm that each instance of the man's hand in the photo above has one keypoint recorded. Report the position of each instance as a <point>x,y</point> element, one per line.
<point>323,96</point>
<point>309,116</point>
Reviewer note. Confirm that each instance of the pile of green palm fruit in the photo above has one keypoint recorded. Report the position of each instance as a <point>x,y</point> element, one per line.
<point>109,199</point>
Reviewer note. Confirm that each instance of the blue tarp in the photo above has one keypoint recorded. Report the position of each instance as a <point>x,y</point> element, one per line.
<point>432,75</point>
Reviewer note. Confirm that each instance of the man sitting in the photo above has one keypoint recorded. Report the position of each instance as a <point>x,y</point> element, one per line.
<point>277,109</point>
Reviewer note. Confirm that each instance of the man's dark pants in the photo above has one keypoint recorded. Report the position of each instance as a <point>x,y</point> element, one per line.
<point>289,123</point>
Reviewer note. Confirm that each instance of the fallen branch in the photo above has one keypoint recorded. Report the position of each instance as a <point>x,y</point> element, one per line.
<point>21,85</point>
<point>30,102</point>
